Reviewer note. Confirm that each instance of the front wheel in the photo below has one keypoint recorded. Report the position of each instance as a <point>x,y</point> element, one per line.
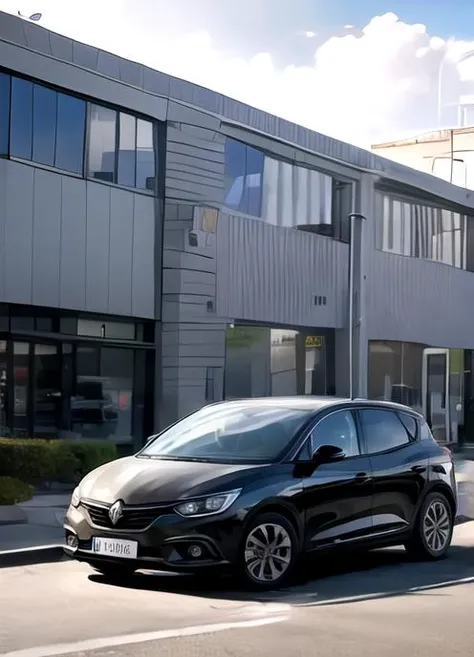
<point>433,529</point>
<point>269,551</point>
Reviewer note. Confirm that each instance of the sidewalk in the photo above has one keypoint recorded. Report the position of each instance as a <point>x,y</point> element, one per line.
<point>42,523</point>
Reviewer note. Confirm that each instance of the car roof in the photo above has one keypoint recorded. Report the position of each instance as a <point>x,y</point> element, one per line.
<point>312,403</point>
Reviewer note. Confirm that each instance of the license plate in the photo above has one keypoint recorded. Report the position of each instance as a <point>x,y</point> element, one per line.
<point>114,547</point>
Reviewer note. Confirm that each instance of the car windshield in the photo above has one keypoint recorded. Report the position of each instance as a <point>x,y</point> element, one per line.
<point>230,433</point>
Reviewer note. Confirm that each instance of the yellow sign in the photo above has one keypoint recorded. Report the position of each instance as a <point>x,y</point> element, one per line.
<point>314,341</point>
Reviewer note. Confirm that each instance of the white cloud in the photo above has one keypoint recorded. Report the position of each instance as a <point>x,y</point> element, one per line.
<point>362,87</point>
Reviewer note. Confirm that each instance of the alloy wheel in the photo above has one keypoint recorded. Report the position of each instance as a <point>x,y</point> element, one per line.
<point>436,526</point>
<point>268,552</point>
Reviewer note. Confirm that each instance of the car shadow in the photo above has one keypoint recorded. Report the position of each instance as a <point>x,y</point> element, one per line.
<point>347,578</point>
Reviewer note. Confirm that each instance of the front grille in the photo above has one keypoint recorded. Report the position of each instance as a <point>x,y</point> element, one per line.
<point>131,519</point>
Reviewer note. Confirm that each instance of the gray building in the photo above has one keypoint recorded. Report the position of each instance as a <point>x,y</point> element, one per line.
<point>163,246</point>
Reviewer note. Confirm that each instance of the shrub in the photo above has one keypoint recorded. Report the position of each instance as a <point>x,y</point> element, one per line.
<point>13,490</point>
<point>43,461</point>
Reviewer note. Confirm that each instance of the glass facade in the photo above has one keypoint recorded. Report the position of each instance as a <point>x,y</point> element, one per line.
<point>421,231</point>
<point>284,194</point>
<point>75,385</point>
<point>51,128</point>
<point>243,177</point>
<point>428,379</point>
<point>263,361</point>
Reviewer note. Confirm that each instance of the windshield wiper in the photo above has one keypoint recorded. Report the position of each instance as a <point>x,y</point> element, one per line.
<point>166,457</point>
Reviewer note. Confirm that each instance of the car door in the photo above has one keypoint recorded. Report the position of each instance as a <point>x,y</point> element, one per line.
<point>399,466</point>
<point>337,496</point>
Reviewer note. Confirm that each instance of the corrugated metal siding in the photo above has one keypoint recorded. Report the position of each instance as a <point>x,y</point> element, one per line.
<point>137,77</point>
<point>271,274</point>
<point>419,301</point>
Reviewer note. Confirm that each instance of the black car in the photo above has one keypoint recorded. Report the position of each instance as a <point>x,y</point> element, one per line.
<point>252,484</point>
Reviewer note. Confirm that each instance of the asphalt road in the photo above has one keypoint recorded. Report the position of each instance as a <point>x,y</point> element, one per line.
<point>359,606</point>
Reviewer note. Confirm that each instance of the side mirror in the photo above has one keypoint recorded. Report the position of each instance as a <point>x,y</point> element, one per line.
<point>328,454</point>
<point>150,438</point>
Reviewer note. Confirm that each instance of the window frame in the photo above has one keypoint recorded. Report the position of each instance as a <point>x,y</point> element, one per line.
<point>305,446</point>
<point>395,412</point>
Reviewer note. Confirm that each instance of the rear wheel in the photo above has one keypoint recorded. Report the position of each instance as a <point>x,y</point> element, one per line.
<point>114,571</point>
<point>433,529</point>
<point>269,551</point>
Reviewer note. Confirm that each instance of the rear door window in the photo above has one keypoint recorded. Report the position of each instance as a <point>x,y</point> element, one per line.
<point>383,430</point>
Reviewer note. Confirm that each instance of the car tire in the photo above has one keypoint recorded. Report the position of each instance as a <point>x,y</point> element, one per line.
<point>433,529</point>
<point>269,552</point>
<point>114,571</point>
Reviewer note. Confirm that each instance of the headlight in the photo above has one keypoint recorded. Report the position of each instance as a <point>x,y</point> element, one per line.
<point>76,498</point>
<point>207,506</point>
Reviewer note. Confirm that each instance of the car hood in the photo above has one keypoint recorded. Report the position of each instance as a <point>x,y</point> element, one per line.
<point>147,481</point>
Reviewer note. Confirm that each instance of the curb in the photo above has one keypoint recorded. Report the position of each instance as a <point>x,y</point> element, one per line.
<point>32,556</point>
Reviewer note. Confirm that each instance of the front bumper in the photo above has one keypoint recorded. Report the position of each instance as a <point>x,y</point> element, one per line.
<point>164,545</point>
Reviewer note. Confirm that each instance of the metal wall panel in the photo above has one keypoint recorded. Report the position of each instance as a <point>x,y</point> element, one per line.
<point>71,243</point>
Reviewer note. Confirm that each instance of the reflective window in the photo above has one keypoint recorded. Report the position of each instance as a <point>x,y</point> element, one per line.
<point>263,362</point>
<point>296,196</point>
<point>383,430</point>
<point>283,362</point>
<point>421,231</point>
<point>339,430</point>
<point>47,390</point>
<point>70,134</point>
<point>145,164</point>
<point>49,127</point>
<point>101,406</point>
<point>127,147</point>
<point>133,164</point>
<point>102,136</point>
<point>243,177</point>
<point>21,118</point>
<point>409,423</point>
<point>44,124</point>
<point>4,112</point>
<point>395,372</point>
<point>3,388</point>
<point>21,374</point>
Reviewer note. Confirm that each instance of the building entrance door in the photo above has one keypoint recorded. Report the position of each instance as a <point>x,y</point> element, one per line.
<point>435,392</point>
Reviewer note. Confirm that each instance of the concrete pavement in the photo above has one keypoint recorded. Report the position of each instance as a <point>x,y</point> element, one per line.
<point>43,523</point>
<point>350,606</point>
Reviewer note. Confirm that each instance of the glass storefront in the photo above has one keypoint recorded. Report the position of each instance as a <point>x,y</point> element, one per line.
<point>263,361</point>
<point>76,387</point>
<point>430,380</point>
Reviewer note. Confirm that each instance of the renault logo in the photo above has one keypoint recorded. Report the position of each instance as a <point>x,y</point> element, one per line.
<point>116,512</point>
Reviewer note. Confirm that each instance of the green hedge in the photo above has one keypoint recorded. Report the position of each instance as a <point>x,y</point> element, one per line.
<point>44,461</point>
<point>13,491</point>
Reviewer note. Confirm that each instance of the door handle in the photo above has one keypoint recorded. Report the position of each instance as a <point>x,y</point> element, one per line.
<point>361,478</point>
<point>418,469</point>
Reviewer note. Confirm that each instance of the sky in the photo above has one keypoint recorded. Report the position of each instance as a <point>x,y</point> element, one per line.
<point>364,72</point>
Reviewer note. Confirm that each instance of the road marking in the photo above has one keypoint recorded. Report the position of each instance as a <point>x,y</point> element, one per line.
<point>129,639</point>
